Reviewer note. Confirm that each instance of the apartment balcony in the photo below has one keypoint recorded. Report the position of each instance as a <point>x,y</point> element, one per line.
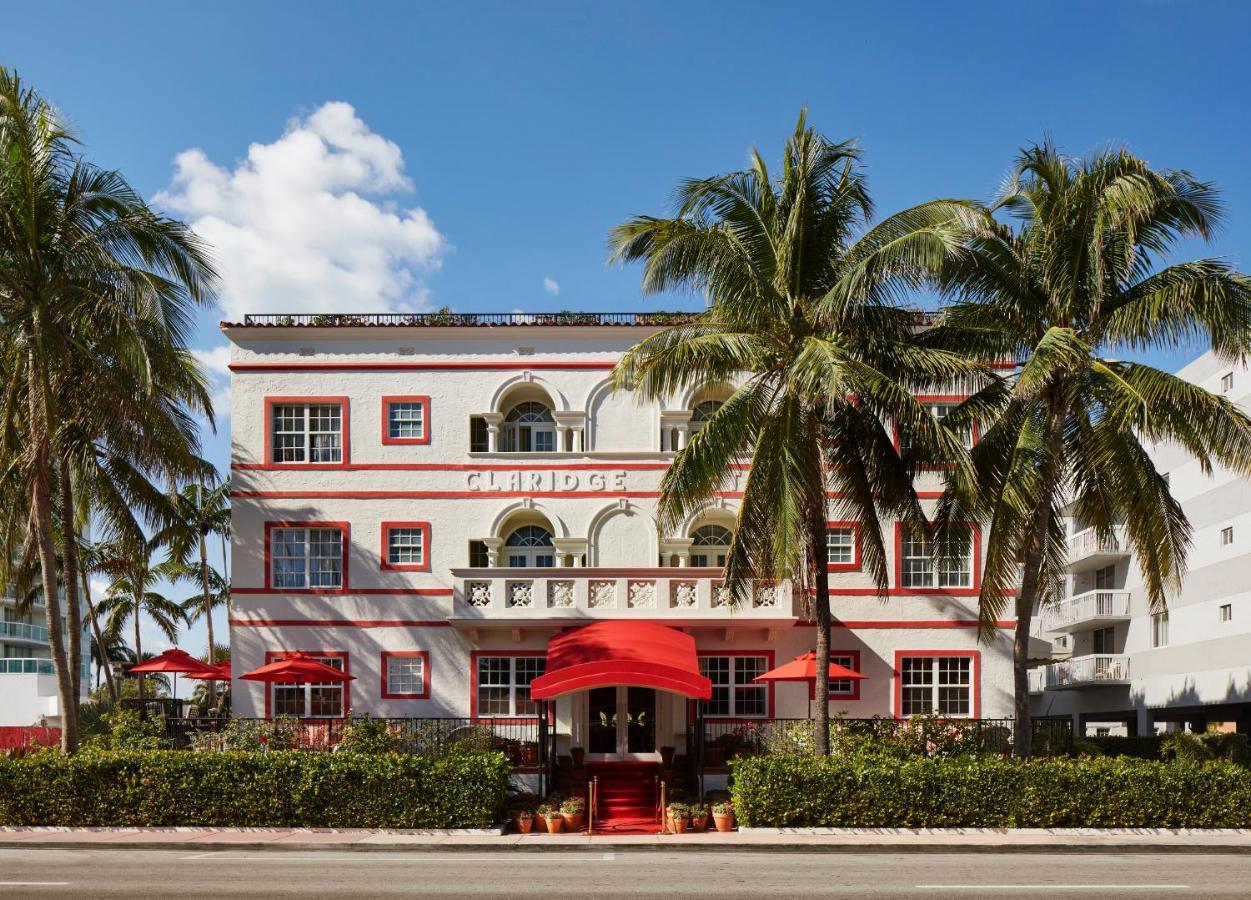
<point>1088,550</point>
<point>519,596</point>
<point>1082,612</point>
<point>1096,670</point>
<point>20,632</point>
<point>25,666</point>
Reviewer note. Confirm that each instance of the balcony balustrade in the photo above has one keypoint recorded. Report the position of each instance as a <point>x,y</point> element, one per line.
<point>21,631</point>
<point>1093,609</point>
<point>1090,550</point>
<point>519,595</point>
<point>1096,670</point>
<point>25,666</point>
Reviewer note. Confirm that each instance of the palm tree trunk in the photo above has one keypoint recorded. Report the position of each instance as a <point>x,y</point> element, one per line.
<point>208,612</point>
<point>69,575</point>
<point>41,514</point>
<point>821,606</point>
<point>105,663</point>
<point>1027,598</point>
<point>138,645</point>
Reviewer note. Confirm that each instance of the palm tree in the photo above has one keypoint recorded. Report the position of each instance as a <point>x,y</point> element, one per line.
<point>106,653</point>
<point>199,511</point>
<point>132,594</point>
<point>803,313</point>
<point>85,266</point>
<point>1063,291</point>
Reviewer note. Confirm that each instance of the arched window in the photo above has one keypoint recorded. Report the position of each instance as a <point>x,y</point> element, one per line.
<point>710,546</point>
<point>530,546</point>
<point>703,412</point>
<point>528,428</point>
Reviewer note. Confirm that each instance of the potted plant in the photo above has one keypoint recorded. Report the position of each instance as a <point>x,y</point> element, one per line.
<point>529,754</point>
<point>723,815</point>
<point>551,817</point>
<point>523,819</point>
<point>679,817</point>
<point>573,811</point>
<point>699,817</point>
<point>579,756</point>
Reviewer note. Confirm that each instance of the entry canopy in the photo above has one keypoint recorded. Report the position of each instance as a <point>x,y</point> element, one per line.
<point>638,654</point>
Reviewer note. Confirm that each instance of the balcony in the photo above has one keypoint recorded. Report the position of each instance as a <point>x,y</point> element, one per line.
<point>1082,612</point>
<point>25,666</point>
<point>1088,550</point>
<point>1097,670</point>
<point>518,596</point>
<point>20,631</point>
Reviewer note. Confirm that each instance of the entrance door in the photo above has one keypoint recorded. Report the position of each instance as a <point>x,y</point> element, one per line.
<point>621,723</point>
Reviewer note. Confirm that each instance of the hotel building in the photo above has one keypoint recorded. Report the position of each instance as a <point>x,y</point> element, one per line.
<point>427,501</point>
<point>1124,668</point>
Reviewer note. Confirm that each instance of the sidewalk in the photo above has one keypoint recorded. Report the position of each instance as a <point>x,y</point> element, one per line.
<point>810,840</point>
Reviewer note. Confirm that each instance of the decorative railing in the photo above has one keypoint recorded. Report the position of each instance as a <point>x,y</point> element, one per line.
<point>611,593</point>
<point>24,631</point>
<point>1098,668</point>
<point>921,736</point>
<point>1087,542</point>
<point>1092,607</point>
<point>456,319</point>
<point>25,666</point>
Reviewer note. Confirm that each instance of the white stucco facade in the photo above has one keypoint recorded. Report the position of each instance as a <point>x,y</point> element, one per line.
<point>1138,669</point>
<point>463,485</point>
<point>28,690</point>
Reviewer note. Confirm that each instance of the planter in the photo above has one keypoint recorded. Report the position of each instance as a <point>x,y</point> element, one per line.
<point>556,823</point>
<point>573,821</point>
<point>529,754</point>
<point>723,821</point>
<point>524,824</point>
<point>679,826</point>
<point>699,824</point>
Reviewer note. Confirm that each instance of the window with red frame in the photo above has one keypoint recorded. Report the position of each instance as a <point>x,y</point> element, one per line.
<point>504,685</point>
<point>406,420</point>
<point>941,685</point>
<point>311,701</point>
<point>406,674</point>
<point>841,551</point>
<point>304,558</point>
<point>925,564</point>
<point>735,693</point>
<point>306,433</point>
<point>844,687</point>
<point>406,545</point>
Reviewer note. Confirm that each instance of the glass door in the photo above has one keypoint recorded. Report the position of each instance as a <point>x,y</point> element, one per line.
<point>640,721</point>
<point>621,723</point>
<point>602,727</point>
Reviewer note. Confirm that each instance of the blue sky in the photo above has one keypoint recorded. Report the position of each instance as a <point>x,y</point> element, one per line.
<point>490,147</point>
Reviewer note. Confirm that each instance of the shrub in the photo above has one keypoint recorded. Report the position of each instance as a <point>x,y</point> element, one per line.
<point>1225,745</point>
<point>365,735</point>
<point>277,789</point>
<point>125,729</point>
<point>989,791</point>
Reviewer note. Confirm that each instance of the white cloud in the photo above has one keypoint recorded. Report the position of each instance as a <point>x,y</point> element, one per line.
<point>551,285</point>
<point>216,364</point>
<point>310,222</point>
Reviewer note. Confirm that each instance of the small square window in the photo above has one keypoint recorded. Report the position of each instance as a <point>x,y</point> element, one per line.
<point>406,545</point>
<point>405,420</point>
<point>1227,536</point>
<point>840,543</point>
<point>1159,630</point>
<point>1227,382</point>
<point>1227,612</point>
<point>406,675</point>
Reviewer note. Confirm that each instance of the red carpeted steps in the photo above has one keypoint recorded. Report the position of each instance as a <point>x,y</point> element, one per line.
<point>627,796</point>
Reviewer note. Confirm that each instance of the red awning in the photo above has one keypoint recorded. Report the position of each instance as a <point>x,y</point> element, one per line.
<point>642,654</point>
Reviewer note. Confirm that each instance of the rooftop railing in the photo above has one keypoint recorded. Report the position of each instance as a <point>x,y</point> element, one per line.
<point>463,320</point>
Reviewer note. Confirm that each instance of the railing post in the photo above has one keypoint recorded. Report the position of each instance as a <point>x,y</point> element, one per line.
<point>543,776</point>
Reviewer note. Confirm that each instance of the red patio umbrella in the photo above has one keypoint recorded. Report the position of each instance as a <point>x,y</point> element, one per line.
<point>175,661</point>
<point>297,668</point>
<point>804,668</point>
<point>221,672</point>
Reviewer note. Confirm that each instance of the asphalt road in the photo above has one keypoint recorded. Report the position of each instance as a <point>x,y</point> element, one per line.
<point>179,874</point>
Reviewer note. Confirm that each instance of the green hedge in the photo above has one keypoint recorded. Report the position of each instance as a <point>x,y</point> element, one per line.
<point>989,792</point>
<point>279,789</point>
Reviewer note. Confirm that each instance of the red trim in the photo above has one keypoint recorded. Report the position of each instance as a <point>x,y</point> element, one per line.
<point>906,623</point>
<point>424,656</point>
<point>854,665</point>
<point>769,658</point>
<point>450,366</point>
<point>341,623</point>
<point>345,541</point>
<point>854,565</point>
<point>481,467</point>
<point>975,676</point>
<point>356,592</point>
<point>424,400</point>
<point>274,655</point>
<point>425,547</point>
<point>345,420</point>
<point>474,656</point>
<point>487,495</point>
<point>976,537</point>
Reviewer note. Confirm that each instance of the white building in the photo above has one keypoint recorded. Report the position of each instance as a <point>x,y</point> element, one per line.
<point>425,502</point>
<point>1131,669</point>
<point>28,691</point>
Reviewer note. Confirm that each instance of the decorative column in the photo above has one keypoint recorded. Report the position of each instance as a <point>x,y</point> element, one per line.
<point>493,420</point>
<point>561,431</point>
<point>493,545</point>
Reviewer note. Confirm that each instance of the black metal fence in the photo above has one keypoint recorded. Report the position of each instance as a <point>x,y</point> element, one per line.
<point>924,736</point>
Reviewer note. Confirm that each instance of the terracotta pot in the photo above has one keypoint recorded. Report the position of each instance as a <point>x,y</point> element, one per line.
<point>555,823</point>
<point>724,821</point>
<point>679,826</point>
<point>700,824</point>
<point>524,825</point>
<point>573,821</point>
<point>529,755</point>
